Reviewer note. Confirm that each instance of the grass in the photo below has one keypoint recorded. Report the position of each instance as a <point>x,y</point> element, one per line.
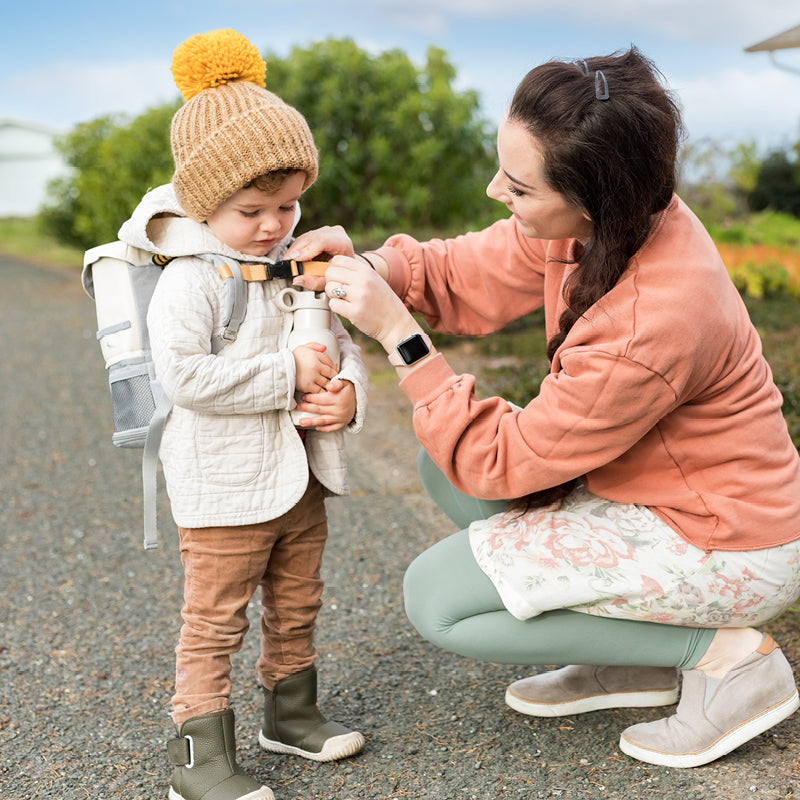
<point>777,320</point>
<point>21,237</point>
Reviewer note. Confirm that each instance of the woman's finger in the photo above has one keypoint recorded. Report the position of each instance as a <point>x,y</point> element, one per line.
<point>343,267</point>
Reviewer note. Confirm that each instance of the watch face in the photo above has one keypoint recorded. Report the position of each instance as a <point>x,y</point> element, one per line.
<point>413,349</point>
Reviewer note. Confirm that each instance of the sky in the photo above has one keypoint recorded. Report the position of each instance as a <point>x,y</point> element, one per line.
<point>65,63</point>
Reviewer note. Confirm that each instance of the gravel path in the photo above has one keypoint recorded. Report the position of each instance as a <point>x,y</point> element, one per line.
<point>88,620</point>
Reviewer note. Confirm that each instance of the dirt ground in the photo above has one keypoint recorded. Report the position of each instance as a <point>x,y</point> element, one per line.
<point>88,620</point>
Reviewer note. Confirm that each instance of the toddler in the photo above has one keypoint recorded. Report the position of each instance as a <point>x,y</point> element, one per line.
<point>246,485</point>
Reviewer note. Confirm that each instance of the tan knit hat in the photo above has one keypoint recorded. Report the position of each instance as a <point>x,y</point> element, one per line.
<point>231,129</point>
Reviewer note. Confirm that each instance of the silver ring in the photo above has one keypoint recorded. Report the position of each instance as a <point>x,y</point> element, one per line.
<point>339,291</point>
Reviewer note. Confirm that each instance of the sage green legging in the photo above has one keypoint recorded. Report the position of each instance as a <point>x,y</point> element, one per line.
<point>454,605</point>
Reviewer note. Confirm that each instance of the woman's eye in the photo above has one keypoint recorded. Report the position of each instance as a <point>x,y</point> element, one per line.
<point>516,192</point>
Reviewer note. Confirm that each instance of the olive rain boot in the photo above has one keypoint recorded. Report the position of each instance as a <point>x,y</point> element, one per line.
<point>205,762</point>
<point>293,724</point>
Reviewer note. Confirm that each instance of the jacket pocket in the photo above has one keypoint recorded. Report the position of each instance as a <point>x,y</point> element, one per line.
<point>230,449</point>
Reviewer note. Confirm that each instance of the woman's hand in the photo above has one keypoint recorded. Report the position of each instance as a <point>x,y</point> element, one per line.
<point>358,292</point>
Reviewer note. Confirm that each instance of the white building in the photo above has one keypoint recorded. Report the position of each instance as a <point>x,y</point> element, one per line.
<point>28,160</point>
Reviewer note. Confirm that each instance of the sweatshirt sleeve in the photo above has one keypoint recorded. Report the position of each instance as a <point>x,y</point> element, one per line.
<point>180,320</point>
<point>591,410</point>
<point>470,285</point>
<point>586,415</point>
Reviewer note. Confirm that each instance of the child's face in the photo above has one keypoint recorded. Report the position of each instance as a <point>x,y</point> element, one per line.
<point>252,221</point>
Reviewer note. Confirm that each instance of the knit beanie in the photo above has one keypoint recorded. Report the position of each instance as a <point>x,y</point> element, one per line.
<point>230,129</point>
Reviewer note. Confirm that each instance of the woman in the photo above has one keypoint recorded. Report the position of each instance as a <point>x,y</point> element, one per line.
<point>642,513</point>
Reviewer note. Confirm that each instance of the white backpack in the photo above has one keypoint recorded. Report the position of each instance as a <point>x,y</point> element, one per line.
<point>121,280</point>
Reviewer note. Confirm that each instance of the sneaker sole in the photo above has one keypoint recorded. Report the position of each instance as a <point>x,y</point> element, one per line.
<point>730,741</point>
<point>597,702</point>
<point>343,746</point>
<point>264,793</point>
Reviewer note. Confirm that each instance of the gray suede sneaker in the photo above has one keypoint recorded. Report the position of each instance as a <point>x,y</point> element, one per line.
<point>756,694</point>
<point>577,689</point>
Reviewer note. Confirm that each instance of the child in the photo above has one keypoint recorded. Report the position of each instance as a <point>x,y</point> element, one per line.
<point>246,486</point>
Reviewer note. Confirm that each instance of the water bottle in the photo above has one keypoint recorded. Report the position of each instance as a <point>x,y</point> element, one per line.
<point>311,323</point>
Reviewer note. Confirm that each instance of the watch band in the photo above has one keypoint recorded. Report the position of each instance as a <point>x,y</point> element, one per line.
<point>410,350</point>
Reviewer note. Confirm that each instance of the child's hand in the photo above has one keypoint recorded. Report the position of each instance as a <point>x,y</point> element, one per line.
<point>314,283</point>
<point>330,240</point>
<point>333,408</point>
<point>313,368</point>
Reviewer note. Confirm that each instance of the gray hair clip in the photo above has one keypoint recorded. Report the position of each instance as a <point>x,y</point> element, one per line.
<point>600,86</point>
<point>600,82</point>
<point>582,66</point>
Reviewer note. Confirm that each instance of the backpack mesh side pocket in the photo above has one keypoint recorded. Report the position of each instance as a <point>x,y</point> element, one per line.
<point>131,402</point>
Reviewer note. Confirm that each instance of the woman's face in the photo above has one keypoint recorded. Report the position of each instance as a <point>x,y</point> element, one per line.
<point>540,212</point>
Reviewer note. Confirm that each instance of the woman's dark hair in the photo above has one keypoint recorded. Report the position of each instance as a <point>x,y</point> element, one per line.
<point>609,132</point>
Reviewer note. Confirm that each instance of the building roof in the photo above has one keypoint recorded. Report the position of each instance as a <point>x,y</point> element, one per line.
<point>782,41</point>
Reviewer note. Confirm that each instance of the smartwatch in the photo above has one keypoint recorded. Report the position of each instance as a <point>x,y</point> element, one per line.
<point>410,350</point>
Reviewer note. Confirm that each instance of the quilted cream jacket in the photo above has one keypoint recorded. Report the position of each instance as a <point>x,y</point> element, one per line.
<point>230,453</point>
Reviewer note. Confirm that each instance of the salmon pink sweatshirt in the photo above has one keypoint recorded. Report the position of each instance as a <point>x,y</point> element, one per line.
<point>660,394</point>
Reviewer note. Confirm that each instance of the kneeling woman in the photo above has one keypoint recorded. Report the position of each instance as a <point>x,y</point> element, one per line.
<point>642,513</point>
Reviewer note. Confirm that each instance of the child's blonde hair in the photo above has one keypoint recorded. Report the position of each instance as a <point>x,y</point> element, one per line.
<point>270,182</point>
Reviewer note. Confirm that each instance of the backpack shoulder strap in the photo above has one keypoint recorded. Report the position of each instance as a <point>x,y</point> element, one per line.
<point>235,299</point>
<point>150,465</point>
<point>235,306</point>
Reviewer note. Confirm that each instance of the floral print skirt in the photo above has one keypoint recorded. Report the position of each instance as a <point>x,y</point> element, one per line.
<point>621,560</point>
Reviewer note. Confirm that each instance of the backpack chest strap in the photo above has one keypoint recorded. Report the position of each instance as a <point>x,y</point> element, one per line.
<point>235,274</point>
<point>285,270</point>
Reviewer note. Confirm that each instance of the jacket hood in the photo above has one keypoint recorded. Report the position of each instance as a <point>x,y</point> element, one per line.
<point>159,225</point>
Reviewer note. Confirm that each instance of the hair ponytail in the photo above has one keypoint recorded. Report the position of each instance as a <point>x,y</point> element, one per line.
<point>613,155</point>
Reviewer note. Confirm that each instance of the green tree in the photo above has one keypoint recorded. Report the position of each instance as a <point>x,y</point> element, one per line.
<point>744,167</point>
<point>398,146</point>
<point>113,163</point>
<point>715,180</point>
<point>777,185</point>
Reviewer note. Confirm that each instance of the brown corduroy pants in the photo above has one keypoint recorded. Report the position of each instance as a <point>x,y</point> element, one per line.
<point>223,567</point>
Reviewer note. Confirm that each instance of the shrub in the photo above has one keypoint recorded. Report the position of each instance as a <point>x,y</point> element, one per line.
<point>762,271</point>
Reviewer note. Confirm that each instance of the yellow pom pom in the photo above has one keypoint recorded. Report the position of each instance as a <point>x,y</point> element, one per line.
<point>214,58</point>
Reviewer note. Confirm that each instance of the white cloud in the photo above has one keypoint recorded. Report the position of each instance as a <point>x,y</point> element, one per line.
<point>742,105</point>
<point>86,91</point>
<point>709,21</point>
